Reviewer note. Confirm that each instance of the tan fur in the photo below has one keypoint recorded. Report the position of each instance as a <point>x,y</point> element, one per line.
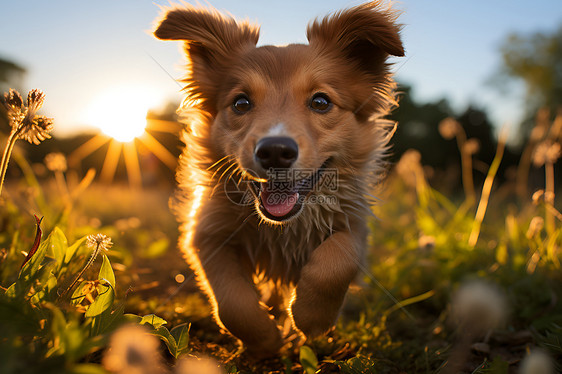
<point>318,252</point>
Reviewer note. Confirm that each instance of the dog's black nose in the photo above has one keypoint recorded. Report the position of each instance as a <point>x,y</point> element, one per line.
<point>276,152</point>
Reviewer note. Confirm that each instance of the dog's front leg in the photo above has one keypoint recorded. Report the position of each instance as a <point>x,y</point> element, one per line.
<point>323,283</point>
<point>237,303</point>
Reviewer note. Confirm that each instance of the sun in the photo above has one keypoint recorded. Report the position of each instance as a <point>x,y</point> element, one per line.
<point>121,115</point>
<point>120,112</point>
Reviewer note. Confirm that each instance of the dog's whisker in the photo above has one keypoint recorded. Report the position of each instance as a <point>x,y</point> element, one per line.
<point>226,163</point>
<point>226,171</point>
<point>221,160</point>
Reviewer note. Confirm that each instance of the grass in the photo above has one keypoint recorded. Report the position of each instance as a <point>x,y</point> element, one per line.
<point>408,314</point>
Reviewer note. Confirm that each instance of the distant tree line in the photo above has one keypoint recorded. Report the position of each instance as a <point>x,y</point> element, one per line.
<point>534,59</point>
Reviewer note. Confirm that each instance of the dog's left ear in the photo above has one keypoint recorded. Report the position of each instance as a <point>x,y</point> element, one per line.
<point>366,34</point>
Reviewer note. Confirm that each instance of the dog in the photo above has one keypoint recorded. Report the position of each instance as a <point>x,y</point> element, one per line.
<point>283,146</point>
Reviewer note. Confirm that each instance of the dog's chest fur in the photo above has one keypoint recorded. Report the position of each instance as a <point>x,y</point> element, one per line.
<point>278,253</point>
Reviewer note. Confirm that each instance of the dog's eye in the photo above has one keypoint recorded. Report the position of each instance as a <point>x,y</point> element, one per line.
<point>241,104</point>
<point>320,103</point>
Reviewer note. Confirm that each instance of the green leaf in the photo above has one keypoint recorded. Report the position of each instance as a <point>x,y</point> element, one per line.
<point>104,300</point>
<point>71,251</point>
<point>57,246</point>
<point>115,319</point>
<point>45,283</point>
<point>106,290</point>
<point>288,365</point>
<point>106,272</point>
<point>57,324</point>
<point>156,248</point>
<point>181,335</point>
<point>32,266</point>
<point>131,318</point>
<point>170,341</point>
<point>153,320</point>
<point>308,360</point>
<point>78,294</point>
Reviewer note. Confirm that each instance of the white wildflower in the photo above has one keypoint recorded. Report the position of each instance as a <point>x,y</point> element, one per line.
<point>194,365</point>
<point>537,362</point>
<point>478,307</point>
<point>132,350</point>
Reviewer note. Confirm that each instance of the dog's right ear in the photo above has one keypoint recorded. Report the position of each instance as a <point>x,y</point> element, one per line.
<point>212,41</point>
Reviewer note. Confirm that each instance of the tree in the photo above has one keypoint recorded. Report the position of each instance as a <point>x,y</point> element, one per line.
<point>10,74</point>
<point>536,59</point>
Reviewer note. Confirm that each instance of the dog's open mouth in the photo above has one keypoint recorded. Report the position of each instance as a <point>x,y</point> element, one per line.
<point>282,197</point>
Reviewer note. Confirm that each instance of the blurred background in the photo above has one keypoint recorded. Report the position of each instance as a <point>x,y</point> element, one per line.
<point>471,193</point>
<point>488,65</point>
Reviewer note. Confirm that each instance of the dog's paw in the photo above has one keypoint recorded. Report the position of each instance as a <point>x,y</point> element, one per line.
<point>313,319</point>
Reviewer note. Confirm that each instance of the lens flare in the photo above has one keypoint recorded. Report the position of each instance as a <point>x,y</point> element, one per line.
<point>120,112</point>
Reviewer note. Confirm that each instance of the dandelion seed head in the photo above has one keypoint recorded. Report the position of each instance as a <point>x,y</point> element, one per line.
<point>537,362</point>
<point>56,161</point>
<point>132,350</point>
<point>478,307</point>
<point>449,128</point>
<point>99,240</point>
<point>194,365</point>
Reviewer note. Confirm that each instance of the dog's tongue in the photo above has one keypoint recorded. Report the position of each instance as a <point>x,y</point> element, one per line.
<point>278,203</point>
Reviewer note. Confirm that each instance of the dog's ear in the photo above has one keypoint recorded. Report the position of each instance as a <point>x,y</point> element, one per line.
<point>366,34</point>
<point>212,41</point>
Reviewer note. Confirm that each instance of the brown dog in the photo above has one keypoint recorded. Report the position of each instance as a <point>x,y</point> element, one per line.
<point>283,147</point>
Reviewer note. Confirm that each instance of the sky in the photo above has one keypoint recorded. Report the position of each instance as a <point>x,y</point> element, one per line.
<point>79,51</point>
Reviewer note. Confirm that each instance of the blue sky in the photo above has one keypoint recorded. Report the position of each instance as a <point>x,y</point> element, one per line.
<point>76,50</point>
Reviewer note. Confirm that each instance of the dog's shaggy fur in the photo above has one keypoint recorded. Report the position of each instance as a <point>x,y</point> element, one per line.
<point>251,111</point>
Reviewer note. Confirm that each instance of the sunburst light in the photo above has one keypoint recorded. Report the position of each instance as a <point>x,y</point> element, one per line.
<point>121,115</point>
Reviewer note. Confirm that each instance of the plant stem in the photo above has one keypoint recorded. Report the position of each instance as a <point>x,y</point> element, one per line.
<point>549,196</point>
<point>466,162</point>
<point>486,190</point>
<point>86,266</point>
<point>7,153</point>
